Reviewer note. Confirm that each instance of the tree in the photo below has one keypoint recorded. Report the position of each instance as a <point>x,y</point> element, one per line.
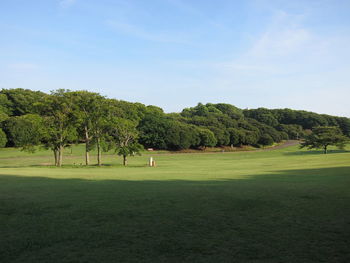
<point>262,115</point>
<point>3,139</point>
<point>3,118</point>
<point>60,122</point>
<point>21,101</point>
<point>206,138</point>
<point>5,105</point>
<point>124,135</point>
<point>88,113</point>
<point>26,131</point>
<point>294,131</point>
<point>222,135</point>
<point>265,140</point>
<point>235,136</point>
<point>230,110</point>
<point>153,131</point>
<point>102,123</point>
<point>322,137</point>
<point>181,136</point>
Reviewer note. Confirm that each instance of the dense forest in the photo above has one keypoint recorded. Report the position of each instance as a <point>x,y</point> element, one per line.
<point>62,118</point>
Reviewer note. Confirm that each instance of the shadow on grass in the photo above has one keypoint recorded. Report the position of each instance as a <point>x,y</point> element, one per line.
<point>285,216</point>
<point>314,152</point>
<point>80,166</point>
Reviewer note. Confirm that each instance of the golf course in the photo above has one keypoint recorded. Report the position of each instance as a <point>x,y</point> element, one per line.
<point>281,205</point>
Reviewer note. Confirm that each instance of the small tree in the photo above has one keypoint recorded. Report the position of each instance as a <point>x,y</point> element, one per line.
<point>265,140</point>
<point>124,136</point>
<point>322,137</point>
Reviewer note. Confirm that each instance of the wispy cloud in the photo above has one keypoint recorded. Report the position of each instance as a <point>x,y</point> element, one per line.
<point>23,66</point>
<point>275,51</point>
<point>141,33</point>
<point>281,43</point>
<point>283,37</point>
<point>285,46</point>
<point>67,3</point>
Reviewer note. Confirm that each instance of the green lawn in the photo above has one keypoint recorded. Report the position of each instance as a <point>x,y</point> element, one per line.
<point>287,205</point>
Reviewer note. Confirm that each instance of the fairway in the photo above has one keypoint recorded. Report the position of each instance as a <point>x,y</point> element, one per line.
<point>283,205</point>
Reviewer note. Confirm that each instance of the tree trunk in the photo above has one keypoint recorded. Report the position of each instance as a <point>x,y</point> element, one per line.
<point>87,147</point>
<point>125,160</point>
<point>325,149</point>
<point>55,153</point>
<point>87,156</point>
<point>99,155</point>
<point>60,156</point>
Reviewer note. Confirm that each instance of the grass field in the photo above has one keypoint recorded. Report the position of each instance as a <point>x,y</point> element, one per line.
<point>285,205</point>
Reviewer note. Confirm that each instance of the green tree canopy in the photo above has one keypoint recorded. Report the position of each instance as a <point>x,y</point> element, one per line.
<point>124,136</point>
<point>26,131</point>
<point>322,137</point>
<point>60,122</point>
<point>87,111</point>
<point>3,138</point>
<point>21,101</point>
<point>206,138</point>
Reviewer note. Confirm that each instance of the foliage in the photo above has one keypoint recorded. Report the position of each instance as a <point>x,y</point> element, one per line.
<point>265,139</point>
<point>322,137</point>
<point>294,131</point>
<point>60,122</point>
<point>153,130</point>
<point>83,116</point>
<point>90,114</point>
<point>236,136</point>
<point>21,101</point>
<point>3,138</point>
<point>5,104</point>
<point>206,138</point>
<point>3,116</point>
<point>26,131</point>
<point>124,136</point>
<point>262,115</point>
<point>181,136</point>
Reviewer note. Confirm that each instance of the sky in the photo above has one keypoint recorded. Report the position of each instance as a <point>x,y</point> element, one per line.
<point>176,53</point>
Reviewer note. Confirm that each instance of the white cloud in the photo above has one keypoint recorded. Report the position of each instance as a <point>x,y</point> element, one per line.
<point>281,42</point>
<point>286,46</point>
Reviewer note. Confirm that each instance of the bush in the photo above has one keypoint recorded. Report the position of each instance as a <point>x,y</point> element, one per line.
<point>265,139</point>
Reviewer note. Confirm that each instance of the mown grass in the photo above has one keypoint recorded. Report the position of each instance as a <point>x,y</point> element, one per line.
<point>285,205</point>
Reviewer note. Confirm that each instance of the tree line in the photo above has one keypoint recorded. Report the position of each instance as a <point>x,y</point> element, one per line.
<point>29,119</point>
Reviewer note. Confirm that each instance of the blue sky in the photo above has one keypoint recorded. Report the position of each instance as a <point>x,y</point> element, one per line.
<point>176,53</point>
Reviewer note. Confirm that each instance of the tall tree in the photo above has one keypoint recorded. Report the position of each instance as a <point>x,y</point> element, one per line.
<point>322,137</point>
<point>88,112</point>
<point>60,122</point>
<point>101,123</point>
